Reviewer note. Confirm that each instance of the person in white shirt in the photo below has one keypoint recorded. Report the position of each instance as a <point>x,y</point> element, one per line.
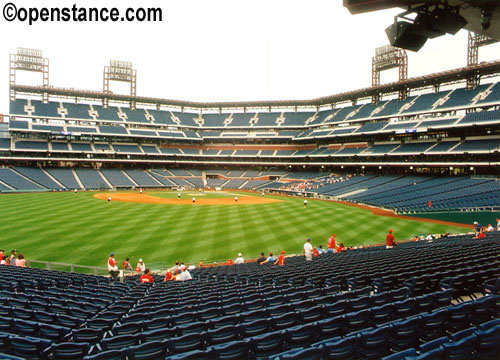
<point>429,237</point>
<point>308,249</point>
<point>194,200</point>
<point>239,259</point>
<point>305,203</point>
<point>490,228</point>
<point>141,267</point>
<point>235,199</point>
<point>185,275</point>
<point>178,196</point>
<point>263,194</point>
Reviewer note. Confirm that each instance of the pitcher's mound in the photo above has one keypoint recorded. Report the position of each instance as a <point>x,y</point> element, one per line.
<point>148,199</point>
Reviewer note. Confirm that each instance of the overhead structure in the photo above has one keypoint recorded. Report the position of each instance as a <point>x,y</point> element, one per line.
<point>30,60</point>
<point>475,41</point>
<point>431,20</point>
<point>120,71</point>
<point>389,57</point>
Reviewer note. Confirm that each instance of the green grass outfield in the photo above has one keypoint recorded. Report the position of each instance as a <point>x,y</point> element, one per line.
<point>79,229</point>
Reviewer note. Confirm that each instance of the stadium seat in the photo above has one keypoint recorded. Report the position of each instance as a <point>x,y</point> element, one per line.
<point>302,335</point>
<point>342,349</point>
<point>150,350</point>
<point>234,350</point>
<point>263,346</point>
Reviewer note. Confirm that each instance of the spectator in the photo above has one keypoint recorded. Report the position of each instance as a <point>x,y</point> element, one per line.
<point>315,252</point>
<point>185,275</point>
<point>230,261</point>
<point>239,259</point>
<point>498,224</point>
<point>2,253</point>
<point>477,227</point>
<point>126,265</point>
<point>182,266</point>
<point>175,269</point>
<point>270,258</point>
<point>490,228</point>
<point>332,243</point>
<point>281,259</point>
<point>20,261</point>
<point>340,248</point>
<point>141,267</point>
<point>5,260</point>
<point>261,259</point>
<point>481,235</point>
<point>191,267</point>
<point>320,250</point>
<point>308,250</point>
<point>429,237</point>
<point>169,276</point>
<point>12,258</point>
<point>146,277</point>
<point>112,267</point>
<point>390,241</point>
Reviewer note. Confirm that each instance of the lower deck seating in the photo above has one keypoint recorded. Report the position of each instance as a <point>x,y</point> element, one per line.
<point>381,302</point>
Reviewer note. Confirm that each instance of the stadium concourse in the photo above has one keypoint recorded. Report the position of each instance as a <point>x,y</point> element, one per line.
<point>419,300</point>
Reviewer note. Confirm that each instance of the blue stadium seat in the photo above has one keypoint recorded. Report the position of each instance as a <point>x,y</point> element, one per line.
<point>263,346</point>
<point>301,335</point>
<point>301,354</point>
<point>234,350</point>
<point>120,354</point>
<point>342,349</point>
<point>488,346</point>
<point>148,351</point>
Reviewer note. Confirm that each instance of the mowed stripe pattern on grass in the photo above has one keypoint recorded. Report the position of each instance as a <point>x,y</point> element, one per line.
<point>79,229</point>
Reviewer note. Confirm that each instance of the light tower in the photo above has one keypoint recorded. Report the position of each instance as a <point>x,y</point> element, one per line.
<point>31,60</point>
<point>389,57</point>
<point>475,41</point>
<point>120,71</point>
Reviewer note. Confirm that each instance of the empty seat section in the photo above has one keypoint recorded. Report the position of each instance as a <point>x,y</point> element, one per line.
<point>91,179</point>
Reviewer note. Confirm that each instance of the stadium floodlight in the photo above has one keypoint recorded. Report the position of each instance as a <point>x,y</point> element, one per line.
<point>31,60</point>
<point>120,71</point>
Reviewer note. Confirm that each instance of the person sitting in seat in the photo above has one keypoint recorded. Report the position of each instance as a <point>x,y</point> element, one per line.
<point>239,259</point>
<point>146,277</point>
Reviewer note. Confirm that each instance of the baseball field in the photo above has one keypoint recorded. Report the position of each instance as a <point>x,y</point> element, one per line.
<point>84,228</point>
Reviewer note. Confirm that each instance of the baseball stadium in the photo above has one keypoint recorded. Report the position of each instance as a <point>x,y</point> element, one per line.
<point>359,225</point>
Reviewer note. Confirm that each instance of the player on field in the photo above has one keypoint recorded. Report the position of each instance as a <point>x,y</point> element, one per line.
<point>305,203</point>
<point>235,199</point>
<point>194,200</point>
<point>178,196</point>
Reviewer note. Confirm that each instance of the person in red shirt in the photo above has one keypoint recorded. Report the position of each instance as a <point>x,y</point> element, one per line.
<point>169,276</point>
<point>146,277</point>
<point>126,265</point>
<point>390,241</point>
<point>281,259</point>
<point>230,261</point>
<point>112,268</point>
<point>340,248</point>
<point>315,252</point>
<point>429,203</point>
<point>332,243</point>
<point>481,235</point>
<point>2,253</point>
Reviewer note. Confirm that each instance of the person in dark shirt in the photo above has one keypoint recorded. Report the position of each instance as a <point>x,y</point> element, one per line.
<point>262,259</point>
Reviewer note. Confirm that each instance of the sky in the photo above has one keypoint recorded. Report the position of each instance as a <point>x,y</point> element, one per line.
<point>224,50</point>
